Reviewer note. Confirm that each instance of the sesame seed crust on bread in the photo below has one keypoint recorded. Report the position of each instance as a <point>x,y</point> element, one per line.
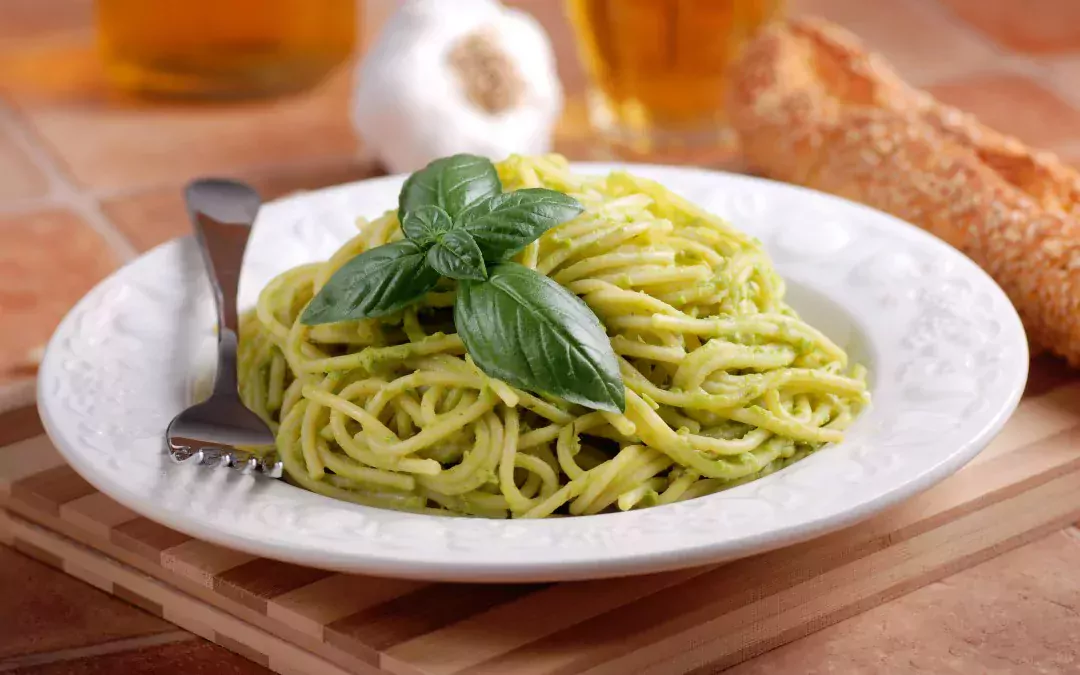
<point>813,107</point>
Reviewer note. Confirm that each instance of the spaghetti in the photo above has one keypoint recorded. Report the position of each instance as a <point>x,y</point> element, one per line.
<point>724,383</point>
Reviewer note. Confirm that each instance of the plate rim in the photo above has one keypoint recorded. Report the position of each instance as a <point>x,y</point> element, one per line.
<point>546,569</point>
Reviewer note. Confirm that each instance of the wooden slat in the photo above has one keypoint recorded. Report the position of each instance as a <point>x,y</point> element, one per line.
<point>202,562</point>
<point>146,538</point>
<point>96,513</point>
<point>177,607</point>
<point>6,536</point>
<point>1034,420</point>
<point>18,395</point>
<point>19,424</point>
<point>931,556</point>
<point>186,585</point>
<point>683,620</point>
<point>256,581</point>
<point>1047,373</point>
<point>449,649</point>
<point>92,578</point>
<point>313,607</point>
<point>51,488</point>
<point>401,619</point>
<point>25,459</point>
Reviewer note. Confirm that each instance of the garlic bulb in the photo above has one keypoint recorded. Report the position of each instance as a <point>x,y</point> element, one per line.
<point>457,76</point>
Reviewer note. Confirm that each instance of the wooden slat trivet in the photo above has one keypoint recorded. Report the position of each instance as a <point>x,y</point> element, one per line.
<point>161,599</point>
<point>300,620</point>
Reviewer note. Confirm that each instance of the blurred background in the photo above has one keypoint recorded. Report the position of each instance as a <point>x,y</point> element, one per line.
<point>108,107</point>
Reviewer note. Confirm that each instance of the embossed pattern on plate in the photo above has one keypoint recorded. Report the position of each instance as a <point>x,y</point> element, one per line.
<point>946,350</point>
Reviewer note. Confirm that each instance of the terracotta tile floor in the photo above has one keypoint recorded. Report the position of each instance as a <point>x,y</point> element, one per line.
<point>1036,26</point>
<point>1018,613</point>
<point>48,260</point>
<point>1044,120</point>
<point>1062,73</point>
<point>192,656</point>
<point>22,178</point>
<point>108,143</point>
<point>919,38</point>
<point>150,217</point>
<point>25,20</point>
<point>45,610</point>
<point>87,178</point>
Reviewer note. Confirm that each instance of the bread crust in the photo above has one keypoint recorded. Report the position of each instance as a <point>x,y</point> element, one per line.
<point>813,107</point>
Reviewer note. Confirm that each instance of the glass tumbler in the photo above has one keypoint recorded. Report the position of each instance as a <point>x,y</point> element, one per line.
<point>658,70</point>
<point>223,48</point>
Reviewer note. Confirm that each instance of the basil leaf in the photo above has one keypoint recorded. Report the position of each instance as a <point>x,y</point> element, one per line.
<point>424,224</point>
<point>506,223</point>
<point>375,283</point>
<point>457,256</point>
<point>521,327</point>
<point>451,183</point>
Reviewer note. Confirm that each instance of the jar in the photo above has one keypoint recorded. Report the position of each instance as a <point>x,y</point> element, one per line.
<point>223,48</point>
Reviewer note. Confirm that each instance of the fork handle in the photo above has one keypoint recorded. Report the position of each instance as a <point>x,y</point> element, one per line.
<point>222,213</point>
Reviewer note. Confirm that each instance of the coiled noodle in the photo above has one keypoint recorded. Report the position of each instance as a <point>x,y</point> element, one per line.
<point>725,383</point>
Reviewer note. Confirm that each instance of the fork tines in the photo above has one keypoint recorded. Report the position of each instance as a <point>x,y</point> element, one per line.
<point>190,451</point>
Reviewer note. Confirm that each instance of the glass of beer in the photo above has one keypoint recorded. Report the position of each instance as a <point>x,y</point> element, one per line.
<point>223,48</point>
<point>658,71</point>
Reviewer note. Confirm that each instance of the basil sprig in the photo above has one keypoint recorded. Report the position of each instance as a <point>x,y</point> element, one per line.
<point>532,333</point>
<point>375,283</point>
<point>517,325</point>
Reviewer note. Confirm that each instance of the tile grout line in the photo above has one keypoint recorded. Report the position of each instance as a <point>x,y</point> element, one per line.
<point>253,172</point>
<point>41,160</point>
<point>934,7</point>
<point>50,39</point>
<point>18,393</point>
<point>19,207</point>
<point>101,649</point>
<point>61,191</point>
<point>1010,60</point>
<point>90,209</point>
<point>1006,61</point>
<point>1069,149</point>
<point>950,17</point>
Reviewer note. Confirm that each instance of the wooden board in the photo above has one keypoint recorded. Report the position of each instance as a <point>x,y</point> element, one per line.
<point>300,620</point>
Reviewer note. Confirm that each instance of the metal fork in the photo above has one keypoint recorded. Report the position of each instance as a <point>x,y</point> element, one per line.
<point>208,433</point>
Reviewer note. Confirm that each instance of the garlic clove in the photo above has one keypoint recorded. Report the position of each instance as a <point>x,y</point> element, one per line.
<point>464,76</point>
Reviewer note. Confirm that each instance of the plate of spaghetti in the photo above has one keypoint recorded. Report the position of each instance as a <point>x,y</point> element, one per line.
<point>535,370</point>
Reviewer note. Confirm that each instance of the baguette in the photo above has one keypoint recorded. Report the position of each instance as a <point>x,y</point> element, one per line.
<point>813,107</point>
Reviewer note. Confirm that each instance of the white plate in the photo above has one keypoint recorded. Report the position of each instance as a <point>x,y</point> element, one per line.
<point>945,349</point>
